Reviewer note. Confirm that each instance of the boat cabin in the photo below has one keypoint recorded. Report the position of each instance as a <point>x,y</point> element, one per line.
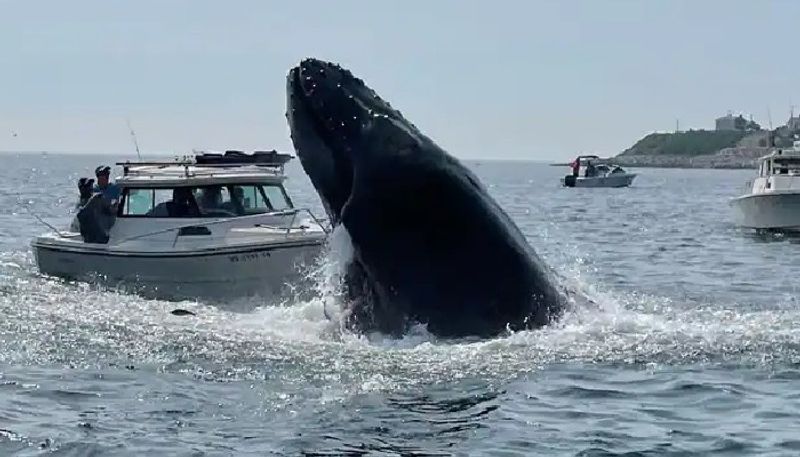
<point>778,171</point>
<point>209,193</point>
<point>209,186</point>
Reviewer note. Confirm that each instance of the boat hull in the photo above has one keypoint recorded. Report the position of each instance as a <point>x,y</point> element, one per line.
<point>768,211</point>
<point>615,180</point>
<point>258,270</point>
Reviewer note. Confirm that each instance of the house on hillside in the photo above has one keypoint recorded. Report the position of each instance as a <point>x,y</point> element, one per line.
<point>739,123</point>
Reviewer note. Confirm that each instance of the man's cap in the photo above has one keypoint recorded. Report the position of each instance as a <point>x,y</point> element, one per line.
<point>102,170</point>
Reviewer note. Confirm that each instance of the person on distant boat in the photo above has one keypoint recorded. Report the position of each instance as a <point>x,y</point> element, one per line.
<point>576,166</point>
<point>590,171</point>
<point>109,190</point>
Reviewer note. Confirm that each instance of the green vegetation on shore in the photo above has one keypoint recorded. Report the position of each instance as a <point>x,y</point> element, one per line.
<point>691,143</point>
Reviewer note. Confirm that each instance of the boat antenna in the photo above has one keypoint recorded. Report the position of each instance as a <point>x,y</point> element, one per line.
<point>769,117</point>
<point>133,135</point>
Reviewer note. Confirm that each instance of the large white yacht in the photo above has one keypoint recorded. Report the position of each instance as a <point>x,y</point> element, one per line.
<point>772,199</point>
<point>215,225</point>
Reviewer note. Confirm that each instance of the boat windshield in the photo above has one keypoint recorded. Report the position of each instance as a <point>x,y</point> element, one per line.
<point>229,200</point>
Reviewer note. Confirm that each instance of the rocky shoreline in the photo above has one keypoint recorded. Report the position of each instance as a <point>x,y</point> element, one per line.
<point>729,158</point>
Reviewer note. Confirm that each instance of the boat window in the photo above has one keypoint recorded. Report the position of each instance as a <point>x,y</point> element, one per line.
<point>139,202</point>
<point>277,198</point>
<point>216,201</point>
<point>147,202</point>
<point>787,166</point>
<point>176,202</point>
<point>248,199</point>
<point>255,199</point>
<point>224,200</point>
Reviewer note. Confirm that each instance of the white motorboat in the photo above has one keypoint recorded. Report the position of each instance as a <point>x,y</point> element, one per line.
<point>210,226</point>
<point>772,199</point>
<point>589,171</point>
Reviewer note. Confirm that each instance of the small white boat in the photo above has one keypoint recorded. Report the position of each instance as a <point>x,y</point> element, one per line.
<point>210,226</point>
<point>588,171</point>
<point>772,199</point>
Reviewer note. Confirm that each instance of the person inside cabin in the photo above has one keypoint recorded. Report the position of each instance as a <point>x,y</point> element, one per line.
<point>590,170</point>
<point>181,205</point>
<point>237,204</point>
<point>210,198</point>
<point>211,202</point>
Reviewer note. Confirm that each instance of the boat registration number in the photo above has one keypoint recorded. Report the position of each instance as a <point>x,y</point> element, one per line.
<point>249,257</point>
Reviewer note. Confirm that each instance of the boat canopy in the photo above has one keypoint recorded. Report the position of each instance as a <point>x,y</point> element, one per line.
<point>206,168</point>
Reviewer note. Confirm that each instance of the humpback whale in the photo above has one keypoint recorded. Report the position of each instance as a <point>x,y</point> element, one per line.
<point>430,245</point>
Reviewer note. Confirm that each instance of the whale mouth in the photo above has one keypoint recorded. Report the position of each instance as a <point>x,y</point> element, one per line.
<point>323,136</point>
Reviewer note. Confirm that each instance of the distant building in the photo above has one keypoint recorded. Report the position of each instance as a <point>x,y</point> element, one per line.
<point>731,122</point>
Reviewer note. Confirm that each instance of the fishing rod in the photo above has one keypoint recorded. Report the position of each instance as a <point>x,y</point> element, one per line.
<point>36,216</point>
<point>135,142</point>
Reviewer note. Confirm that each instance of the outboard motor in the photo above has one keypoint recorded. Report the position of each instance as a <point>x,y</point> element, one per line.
<point>569,181</point>
<point>96,218</point>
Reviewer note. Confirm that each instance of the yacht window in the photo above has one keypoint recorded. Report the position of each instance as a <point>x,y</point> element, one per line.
<point>277,198</point>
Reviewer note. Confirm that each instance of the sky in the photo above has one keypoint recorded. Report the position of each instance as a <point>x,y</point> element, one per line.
<point>502,79</point>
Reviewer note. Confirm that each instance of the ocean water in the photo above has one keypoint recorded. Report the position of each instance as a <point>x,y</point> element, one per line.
<point>693,350</point>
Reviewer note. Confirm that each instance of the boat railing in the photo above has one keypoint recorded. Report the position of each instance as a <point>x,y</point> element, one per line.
<point>319,221</point>
<point>293,212</point>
